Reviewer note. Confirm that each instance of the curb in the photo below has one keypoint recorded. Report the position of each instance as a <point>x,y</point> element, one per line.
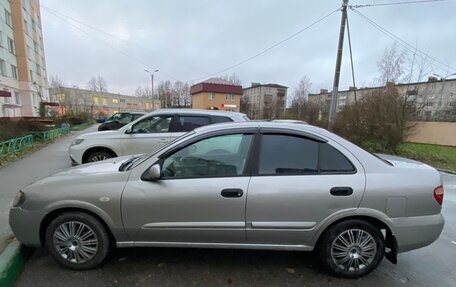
<point>11,263</point>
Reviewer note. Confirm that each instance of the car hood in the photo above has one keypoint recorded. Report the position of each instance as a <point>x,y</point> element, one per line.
<point>101,135</point>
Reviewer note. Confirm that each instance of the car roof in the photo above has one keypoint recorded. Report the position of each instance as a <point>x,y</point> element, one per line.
<point>298,126</point>
<point>199,112</point>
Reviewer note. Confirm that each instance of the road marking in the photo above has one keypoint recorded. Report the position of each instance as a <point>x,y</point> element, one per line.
<point>454,242</point>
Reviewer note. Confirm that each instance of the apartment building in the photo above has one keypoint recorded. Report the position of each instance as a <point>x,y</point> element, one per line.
<point>264,101</point>
<point>23,75</point>
<point>435,98</point>
<point>216,94</point>
<point>96,103</point>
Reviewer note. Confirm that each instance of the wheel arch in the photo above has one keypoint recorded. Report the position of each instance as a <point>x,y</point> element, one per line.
<point>90,150</point>
<point>390,239</point>
<point>59,211</point>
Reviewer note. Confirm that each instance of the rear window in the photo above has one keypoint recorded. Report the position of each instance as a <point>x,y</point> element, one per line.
<point>220,119</point>
<point>189,123</point>
<point>333,161</point>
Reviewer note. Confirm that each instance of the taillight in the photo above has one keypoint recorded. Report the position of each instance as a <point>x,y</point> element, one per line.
<point>438,194</point>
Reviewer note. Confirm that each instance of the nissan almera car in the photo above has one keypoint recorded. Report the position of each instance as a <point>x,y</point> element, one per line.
<point>255,185</point>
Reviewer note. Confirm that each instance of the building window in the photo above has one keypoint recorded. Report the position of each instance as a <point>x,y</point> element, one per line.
<point>1,39</point>
<point>115,101</point>
<point>429,104</point>
<point>26,27</point>
<point>32,78</point>
<point>95,100</point>
<point>37,48</point>
<point>17,96</point>
<point>3,68</point>
<point>14,71</point>
<point>104,101</point>
<point>211,96</point>
<point>122,101</point>
<point>11,46</point>
<point>229,97</point>
<point>7,18</point>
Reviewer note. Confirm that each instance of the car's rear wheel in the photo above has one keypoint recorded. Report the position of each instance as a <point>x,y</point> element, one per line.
<point>77,240</point>
<point>98,156</point>
<point>352,248</point>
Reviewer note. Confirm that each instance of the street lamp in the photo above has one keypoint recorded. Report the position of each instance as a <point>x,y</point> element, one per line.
<point>152,83</point>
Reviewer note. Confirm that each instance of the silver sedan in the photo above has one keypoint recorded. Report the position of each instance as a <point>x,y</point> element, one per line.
<point>255,185</point>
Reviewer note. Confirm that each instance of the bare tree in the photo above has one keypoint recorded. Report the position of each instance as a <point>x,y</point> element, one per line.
<point>233,78</point>
<point>56,82</point>
<point>165,94</point>
<point>391,65</point>
<point>97,84</point>
<point>143,92</point>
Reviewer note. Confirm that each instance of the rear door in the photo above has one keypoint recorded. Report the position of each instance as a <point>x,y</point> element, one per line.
<point>299,181</point>
<point>185,123</point>
<point>147,135</point>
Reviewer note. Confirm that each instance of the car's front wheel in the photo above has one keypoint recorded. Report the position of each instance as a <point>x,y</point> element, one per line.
<point>352,248</point>
<point>77,240</point>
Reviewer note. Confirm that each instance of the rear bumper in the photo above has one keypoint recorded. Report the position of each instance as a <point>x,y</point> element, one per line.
<point>416,232</point>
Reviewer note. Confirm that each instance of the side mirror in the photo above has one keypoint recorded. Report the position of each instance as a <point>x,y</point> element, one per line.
<point>129,130</point>
<point>152,174</point>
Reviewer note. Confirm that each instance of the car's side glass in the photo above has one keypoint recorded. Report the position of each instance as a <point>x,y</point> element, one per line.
<point>189,123</point>
<point>125,119</point>
<point>220,119</point>
<point>333,161</point>
<point>154,124</point>
<point>217,156</point>
<point>287,154</point>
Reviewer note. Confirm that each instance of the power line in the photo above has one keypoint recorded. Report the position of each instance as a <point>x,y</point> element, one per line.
<point>393,3</point>
<point>62,17</point>
<point>269,48</point>
<point>406,45</point>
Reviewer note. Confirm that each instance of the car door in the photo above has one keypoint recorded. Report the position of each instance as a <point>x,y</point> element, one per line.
<point>147,135</point>
<point>183,123</point>
<point>200,197</point>
<point>299,182</point>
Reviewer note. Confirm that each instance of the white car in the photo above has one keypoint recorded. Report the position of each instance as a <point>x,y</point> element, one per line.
<point>146,134</point>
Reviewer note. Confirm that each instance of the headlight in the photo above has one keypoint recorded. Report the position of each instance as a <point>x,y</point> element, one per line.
<point>19,199</point>
<point>77,141</point>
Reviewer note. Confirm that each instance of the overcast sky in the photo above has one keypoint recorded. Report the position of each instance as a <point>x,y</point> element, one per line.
<point>188,40</point>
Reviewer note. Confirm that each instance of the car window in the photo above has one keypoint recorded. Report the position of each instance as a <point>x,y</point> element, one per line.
<point>154,124</point>
<point>136,116</point>
<point>212,157</point>
<point>333,161</point>
<point>287,154</point>
<point>125,119</point>
<point>220,119</point>
<point>189,123</point>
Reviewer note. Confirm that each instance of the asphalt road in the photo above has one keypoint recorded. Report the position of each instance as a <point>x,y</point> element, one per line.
<point>429,266</point>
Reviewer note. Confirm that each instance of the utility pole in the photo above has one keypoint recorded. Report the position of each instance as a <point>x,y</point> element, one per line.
<point>335,90</point>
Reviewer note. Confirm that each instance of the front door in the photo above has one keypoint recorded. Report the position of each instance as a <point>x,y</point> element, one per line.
<point>298,184</point>
<point>200,197</point>
<point>147,135</point>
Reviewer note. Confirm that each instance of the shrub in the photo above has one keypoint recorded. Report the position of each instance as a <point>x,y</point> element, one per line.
<point>10,129</point>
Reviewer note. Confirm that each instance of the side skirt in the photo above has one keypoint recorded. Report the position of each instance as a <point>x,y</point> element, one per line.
<point>214,245</point>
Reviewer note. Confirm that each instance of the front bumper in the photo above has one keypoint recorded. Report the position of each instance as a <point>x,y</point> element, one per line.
<point>76,152</point>
<point>416,232</point>
<point>25,226</point>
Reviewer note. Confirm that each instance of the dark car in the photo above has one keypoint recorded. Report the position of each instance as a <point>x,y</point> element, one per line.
<point>118,120</point>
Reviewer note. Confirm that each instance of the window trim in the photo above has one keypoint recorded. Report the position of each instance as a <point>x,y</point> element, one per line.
<point>299,134</point>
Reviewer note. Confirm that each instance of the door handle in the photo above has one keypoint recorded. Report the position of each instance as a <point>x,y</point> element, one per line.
<point>341,191</point>
<point>232,192</point>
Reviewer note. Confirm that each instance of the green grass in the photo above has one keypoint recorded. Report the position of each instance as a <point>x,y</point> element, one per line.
<point>438,156</point>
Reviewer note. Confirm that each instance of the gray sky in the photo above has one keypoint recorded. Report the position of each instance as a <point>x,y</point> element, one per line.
<point>188,40</point>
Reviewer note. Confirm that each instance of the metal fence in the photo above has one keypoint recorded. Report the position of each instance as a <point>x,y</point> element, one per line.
<point>12,146</point>
<point>49,135</point>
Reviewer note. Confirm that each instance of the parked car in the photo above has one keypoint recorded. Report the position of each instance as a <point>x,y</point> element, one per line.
<point>100,119</point>
<point>146,134</point>
<point>118,120</point>
<point>255,185</point>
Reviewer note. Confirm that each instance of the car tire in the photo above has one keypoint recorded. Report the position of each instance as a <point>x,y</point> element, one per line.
<point>77,241</point>
<point>98,156</point>
<point>352,248</point>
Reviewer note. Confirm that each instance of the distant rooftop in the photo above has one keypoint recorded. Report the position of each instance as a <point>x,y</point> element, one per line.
<point>272,85</point>
<point>216,85</point>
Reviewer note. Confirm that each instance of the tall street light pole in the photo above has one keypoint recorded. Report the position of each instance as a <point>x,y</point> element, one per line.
<point>335,90</point>
<point>152,84</point>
